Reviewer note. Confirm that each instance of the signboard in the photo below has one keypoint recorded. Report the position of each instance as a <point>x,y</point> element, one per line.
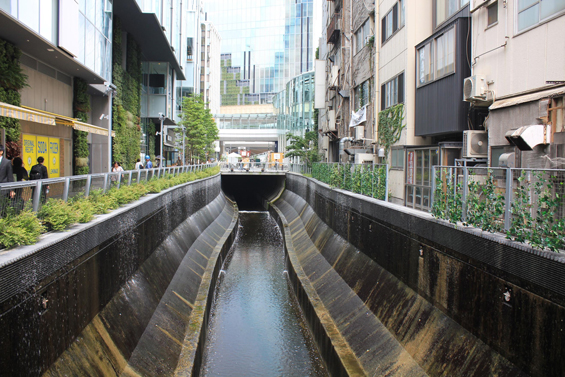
<point>47,147</point>
<point>410,168</point>
<point>53,167</point>
<point>252,97</point>
<point>29,151</point>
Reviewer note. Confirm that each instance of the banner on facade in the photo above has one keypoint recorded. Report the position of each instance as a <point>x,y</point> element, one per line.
<point>54,167</point>
<point>359,117</point>
<point>29,151</point>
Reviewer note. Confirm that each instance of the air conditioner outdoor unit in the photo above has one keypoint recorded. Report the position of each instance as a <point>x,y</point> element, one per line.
<point>474,89</point>
<point>331,120</point>
<point>475,144</point>
<point>325,143</point>
<point>359,132</point>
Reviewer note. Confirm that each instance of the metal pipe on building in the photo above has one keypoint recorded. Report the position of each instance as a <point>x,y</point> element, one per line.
<point>377,45</point>
<point>342,143</point>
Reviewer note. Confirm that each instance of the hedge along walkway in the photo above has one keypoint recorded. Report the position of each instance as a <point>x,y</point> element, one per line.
<point>25,227</point>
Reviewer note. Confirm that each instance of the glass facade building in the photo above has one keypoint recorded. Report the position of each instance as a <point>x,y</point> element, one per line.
<point>265,43</point>
<point>294,106</point>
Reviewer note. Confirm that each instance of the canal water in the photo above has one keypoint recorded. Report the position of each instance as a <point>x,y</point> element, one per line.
<point>256,327</point>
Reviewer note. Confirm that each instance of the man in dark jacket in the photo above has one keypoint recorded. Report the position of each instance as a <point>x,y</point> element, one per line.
<point>39,171</point>
<point>6,176</point>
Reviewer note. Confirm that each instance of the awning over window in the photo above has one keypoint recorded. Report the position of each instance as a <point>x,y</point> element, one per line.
<point>11,111</point>
<point>80,126</point>
<point>71,122</point>
<point>517,100</point>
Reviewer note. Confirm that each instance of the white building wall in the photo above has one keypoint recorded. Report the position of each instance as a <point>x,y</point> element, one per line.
<point>528,60</point>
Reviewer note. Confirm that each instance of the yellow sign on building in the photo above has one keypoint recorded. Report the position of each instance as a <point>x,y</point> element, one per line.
<point>53,166</point>
<point>29,151</point>
<point>47,147</point>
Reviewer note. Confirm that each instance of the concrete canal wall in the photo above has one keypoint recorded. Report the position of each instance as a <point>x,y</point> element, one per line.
<point>410,295</point>
<point>119,292</point>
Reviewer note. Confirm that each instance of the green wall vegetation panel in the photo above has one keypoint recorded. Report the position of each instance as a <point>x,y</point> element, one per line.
<point>390,328</point>
<point>141,330</point>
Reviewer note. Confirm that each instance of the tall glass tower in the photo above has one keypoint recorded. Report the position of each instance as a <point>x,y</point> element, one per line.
<point>265,43</point>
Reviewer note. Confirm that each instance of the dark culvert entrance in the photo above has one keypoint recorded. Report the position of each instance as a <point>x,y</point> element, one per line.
<point>252,192</point>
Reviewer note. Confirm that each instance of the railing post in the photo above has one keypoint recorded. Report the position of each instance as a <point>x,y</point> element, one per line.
<point>87,189</point>
<point>66,189</point>
<point>386,183</point>
<point>37,195</point>
<point>465,193</point>
<point>433,186</point>
<point>508,199</point>
<point>105,188</point>
<point>139,175</point>
<point>119,180</point>
<point>130,176</point>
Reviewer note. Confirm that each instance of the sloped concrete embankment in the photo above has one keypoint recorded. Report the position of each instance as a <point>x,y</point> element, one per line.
<point>101,297</point>
<point>377,325</point>
<point>141,332</point>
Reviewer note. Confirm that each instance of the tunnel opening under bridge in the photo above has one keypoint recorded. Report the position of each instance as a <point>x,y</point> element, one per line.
<point>252,192</point>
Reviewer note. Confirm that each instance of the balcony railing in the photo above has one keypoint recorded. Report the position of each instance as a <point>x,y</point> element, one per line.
<point>334,28</point>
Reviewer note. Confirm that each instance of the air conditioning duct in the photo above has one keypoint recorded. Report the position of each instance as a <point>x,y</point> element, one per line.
<point>527,137</point>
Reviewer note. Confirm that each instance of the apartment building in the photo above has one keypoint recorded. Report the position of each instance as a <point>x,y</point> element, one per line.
<point>518,76</point>
<point>211,72</point>
<point>59,42</point>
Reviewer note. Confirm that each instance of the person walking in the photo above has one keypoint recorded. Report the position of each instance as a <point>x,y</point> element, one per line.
<point>6,175</point>
<point>117,168</point>
<point>39,171</point>
<point>138,164</point>
<point>19,171</point>
<point>148,163</point>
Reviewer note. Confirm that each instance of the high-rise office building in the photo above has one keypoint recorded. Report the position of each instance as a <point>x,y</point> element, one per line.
<point>265,43</point>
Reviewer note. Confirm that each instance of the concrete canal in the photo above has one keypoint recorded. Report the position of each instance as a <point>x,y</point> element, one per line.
<point>256,327</point>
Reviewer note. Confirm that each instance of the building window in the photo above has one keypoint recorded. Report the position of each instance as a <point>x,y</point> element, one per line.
<point>392,92</point>
<point>393,20</point>
<point>532,12</point>
<point>425,64</point>
<point>362,94</point>
<point>492,14</point>
<point>445,53</point>
<point>437,58</point>
<point>362,35</point>
<point>447,8</point>
<point>189,51</point>
<point>397,159</point>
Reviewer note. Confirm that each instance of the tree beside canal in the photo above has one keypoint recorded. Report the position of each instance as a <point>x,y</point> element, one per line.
<point>304,147</point>
<point>200,129</point>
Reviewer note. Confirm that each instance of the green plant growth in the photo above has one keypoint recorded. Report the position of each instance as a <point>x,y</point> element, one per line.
<point>21,229</point>
<point>25,227</point>
<point>57,214</point>
<point>447,198</point>
<point>544,230</point>
<point>368,180</point>
<point>81,107</point>
<point>126,104</point>
<point>485,204</point>
<point>306,148</point>
<point>200,129</point>
<point>391,124</point>
<point>12,80</point>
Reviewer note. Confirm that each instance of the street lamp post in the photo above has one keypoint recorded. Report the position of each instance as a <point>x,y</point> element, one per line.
<point>161,119</point>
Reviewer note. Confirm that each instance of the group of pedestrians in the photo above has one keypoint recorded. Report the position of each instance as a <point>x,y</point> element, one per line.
<point>14,171</point>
